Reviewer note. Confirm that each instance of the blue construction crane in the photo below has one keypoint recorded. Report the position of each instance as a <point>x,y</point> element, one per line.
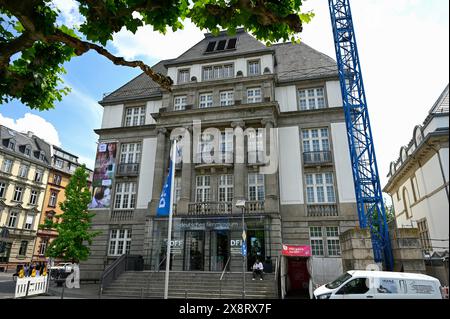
<point>371,210</point>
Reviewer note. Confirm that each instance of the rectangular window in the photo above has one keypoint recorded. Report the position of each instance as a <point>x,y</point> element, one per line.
<point>33,197</point>
<point>38,174</point>
<point>217,72</point>
<point>59,163</point>
<point>135,116</point>
<point>2,189</point>
<point>43,247</point>
<point>177,189</point>
<point>130,153</point>
<point>254,68</point>
<point>203,189</point>
<point>320,188</point>
<point>18,193</point>
<point>23,248</point>
<point>57,179</point>
<point>316,238</point>
<point>254,95</point>
<point>183,76</point>
<point>226,98</point>
<point>29,222</point>
<point>125,196</point>
<point>226,188</point>
<point>424,234</point>
<point>7,165</point>
<point>12,145</point>
<point>12,219</point>
<point>311,99</point>
<point>206,100</point>
<point>23,170</point>
<point>255,148</point>
<point>256,188</point>
<point>53,199</point>
<point>226,146</point>
<point>333,244</point>
<point>315,141</point>
<point>119,242</point>
<point>179,103</point>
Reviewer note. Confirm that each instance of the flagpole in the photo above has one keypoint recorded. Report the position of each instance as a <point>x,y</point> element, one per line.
<point>169,228</point>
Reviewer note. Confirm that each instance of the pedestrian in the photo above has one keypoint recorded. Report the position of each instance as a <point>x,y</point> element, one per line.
<point>27,270</point>
<point>258,269</point>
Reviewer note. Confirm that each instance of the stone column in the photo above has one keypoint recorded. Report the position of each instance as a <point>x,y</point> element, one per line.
<point>159,173</point>
<point>186,174</point>
<point>271,179</point>
<point>214,185</point>
<point>356,249</point>
<point>240,168</point>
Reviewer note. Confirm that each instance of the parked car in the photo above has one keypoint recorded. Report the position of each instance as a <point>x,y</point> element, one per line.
<point>66,267</point>
<point>358,284</point>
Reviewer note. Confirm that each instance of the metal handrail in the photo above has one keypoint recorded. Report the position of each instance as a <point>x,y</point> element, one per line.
<point>151,275</point>
<point>109,270</point>
<point>221,277</point>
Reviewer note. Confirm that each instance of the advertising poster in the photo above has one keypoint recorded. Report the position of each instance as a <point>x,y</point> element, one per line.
<point>105,164</point>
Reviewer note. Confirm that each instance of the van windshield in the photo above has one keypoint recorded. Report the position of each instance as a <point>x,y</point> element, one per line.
<point>339,281</point>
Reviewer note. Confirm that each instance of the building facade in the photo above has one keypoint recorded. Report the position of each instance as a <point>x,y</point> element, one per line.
<point>419,181</point>
<point>24,171</point>
<point>63,165</point>
<point>257,123</point>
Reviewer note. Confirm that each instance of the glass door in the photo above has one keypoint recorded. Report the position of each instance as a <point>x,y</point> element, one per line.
<point>255,247</point>
<point>220,250</point>
<point>194,250</point>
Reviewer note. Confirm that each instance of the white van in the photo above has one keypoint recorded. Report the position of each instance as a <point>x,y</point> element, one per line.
<point>358,284</point>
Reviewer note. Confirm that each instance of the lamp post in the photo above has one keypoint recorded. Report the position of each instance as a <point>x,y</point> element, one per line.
<point>241,204</point>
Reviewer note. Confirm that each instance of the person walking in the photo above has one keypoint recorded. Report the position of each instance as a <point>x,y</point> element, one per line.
<point>258,269</point>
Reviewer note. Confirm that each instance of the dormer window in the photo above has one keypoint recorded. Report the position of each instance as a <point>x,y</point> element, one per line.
<point>221,46</point>
<point>27,151</point>
<point>12,144</point>
<point>42,156</point>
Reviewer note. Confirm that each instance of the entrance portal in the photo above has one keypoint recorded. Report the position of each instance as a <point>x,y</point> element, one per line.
<point>298,275</point>
<point>255,244</point>
<point>194,249</point>
<point>220,250</point>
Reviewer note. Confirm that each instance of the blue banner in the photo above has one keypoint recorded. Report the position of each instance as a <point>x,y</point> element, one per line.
<point>164,200</point>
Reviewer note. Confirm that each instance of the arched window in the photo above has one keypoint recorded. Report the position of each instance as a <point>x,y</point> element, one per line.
<point>418,135</point>
<point>407,203</point>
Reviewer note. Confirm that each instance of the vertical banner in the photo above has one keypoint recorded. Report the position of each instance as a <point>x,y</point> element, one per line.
<point>105,165</point>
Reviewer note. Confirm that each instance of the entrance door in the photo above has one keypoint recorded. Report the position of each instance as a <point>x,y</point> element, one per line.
<point>220,250</point>
<point>194,250</point>
<point>298,274</point>
<point>255,247</point>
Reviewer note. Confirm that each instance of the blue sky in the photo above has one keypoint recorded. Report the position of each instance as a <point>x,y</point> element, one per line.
<point>404,51</point>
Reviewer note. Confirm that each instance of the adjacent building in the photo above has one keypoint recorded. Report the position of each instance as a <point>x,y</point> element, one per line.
<point>419,182</point>
<point>63,165</point>
<point>292,167</point>
<point>24,170</point>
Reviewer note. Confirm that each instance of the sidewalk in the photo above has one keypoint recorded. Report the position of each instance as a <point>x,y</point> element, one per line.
<point>86,291</point>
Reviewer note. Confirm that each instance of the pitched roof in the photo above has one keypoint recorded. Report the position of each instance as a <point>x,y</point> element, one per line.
<point>141,86</point>
<point>301,62</point>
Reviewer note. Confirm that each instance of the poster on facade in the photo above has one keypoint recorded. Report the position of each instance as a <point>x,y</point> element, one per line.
<point>105,164</point>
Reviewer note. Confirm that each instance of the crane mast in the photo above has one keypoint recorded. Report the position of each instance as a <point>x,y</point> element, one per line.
<point>371,209</point>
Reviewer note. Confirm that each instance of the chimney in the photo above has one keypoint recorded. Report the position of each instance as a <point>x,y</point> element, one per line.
<point>30,134</point>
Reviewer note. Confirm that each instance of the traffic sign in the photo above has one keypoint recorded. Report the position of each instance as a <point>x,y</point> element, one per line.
<point>244,249</point>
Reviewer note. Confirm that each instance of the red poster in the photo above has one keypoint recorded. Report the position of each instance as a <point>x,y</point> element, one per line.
<point>296,251</point>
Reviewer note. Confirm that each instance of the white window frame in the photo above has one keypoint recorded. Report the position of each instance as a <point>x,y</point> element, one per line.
<point>226,188</point>
<point>205,100</point>
<point>316,241</point>
<point>202,188</point>
<point>3,189</point>
<point>43,246</point>
<point>333,242</point>
<point>311,98</point>
<point>318,187</point>
<point>134,116</point>
<point>13,218</point>
<point>254,67</point>
<point>24,169</point>
<point>226,97</point>
<point>256,187</point>
<point>226,146</point>
<point>122,238</point>
<point>183,76</point>
<point>34,196</point>
<point>316,140</point>
<point>26,224</point>
<point>218,71</point>
<point>57,179</point>
<point>38,175</point>
<point>7,165</point>
<point>59,163</point>
<point>53,199</point>
<point>125,195</point>
<point>180,102</point>
<point>254,95</point>
<point>130,153</point>
<point>18,193</point>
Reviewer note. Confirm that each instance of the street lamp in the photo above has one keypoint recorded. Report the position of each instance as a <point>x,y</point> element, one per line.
<point>241,204</point>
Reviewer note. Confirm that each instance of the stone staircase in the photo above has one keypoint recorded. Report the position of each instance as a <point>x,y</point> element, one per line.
<point>192,285</point>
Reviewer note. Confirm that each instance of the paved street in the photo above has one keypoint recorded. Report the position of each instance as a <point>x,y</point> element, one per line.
<point>7,285</point>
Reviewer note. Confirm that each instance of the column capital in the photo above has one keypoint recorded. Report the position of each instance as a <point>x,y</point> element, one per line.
<point>268,123</point>
<point>236,124</point>
<point>161,130</point>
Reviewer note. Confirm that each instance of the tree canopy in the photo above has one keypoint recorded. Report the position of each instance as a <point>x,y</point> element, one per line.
<point>34,46</point>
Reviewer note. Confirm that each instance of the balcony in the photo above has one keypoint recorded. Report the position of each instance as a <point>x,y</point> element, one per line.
<point>325,210</point>
<point>210,208</point>
<point>256,158</point>
<point>317,158</point>
<point>254,207</point>
<point>209,158</point>
<point>121,215</point>
<point>128,169</point>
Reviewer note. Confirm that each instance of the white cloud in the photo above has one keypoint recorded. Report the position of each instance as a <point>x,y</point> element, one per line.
<point>89,161</point>
<point>34,123</point>
<point>154,45</point>
<point>70,15</point>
